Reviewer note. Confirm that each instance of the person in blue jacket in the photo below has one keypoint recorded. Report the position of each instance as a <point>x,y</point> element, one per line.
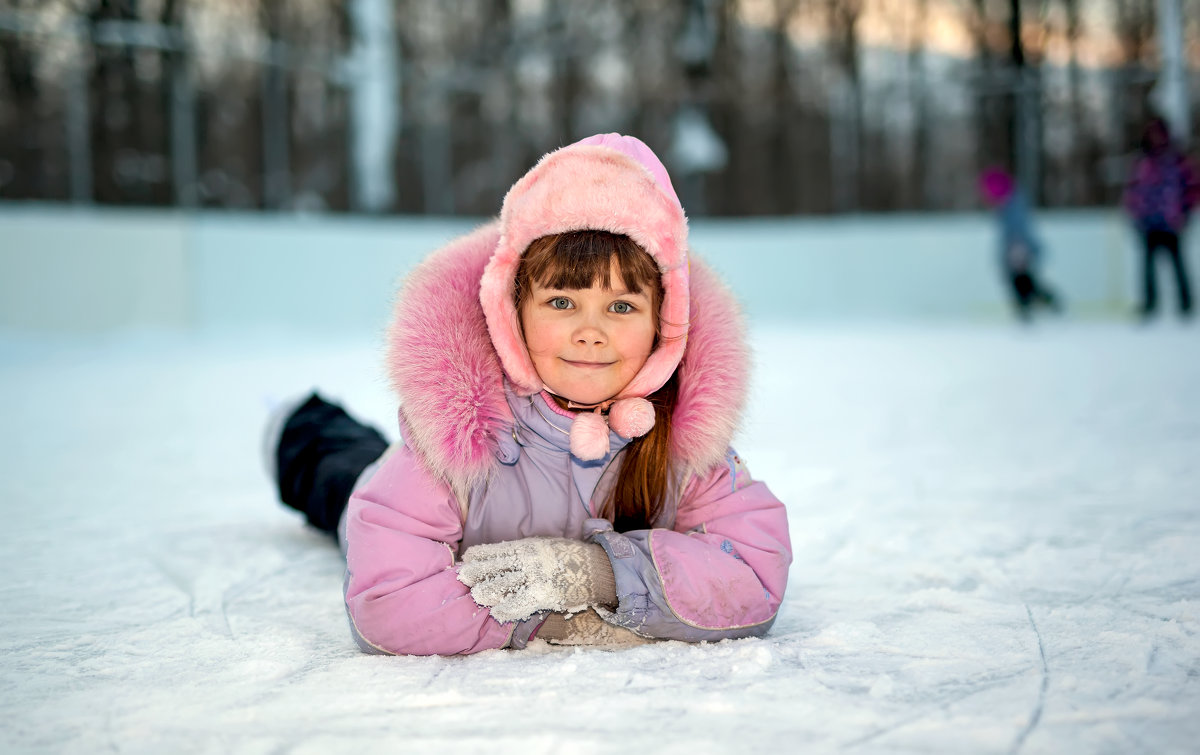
<point>1020,249</point>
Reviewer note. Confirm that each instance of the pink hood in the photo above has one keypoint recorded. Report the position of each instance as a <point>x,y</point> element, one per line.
<point>448,376</point>
<point>609,183</point>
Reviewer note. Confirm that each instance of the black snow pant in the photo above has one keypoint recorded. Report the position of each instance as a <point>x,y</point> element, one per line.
<point>1027,291</point>
<point>322,451</point>
<point>1168,243</point>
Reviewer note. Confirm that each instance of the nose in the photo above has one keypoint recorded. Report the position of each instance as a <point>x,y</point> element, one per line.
<point>590,332</point>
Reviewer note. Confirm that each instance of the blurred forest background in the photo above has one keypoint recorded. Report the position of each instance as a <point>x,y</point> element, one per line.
<point>415,106</point>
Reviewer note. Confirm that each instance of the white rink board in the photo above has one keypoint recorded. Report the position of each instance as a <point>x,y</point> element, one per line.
<point>91,271</point>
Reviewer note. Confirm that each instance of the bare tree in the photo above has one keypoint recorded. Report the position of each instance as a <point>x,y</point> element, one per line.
<point>22,176</point>
<point>846,118</point>
<point>1134,25</point>
<point>178,100</point>
<point>922,187</point>
<point>117,126</point>
<point>1086,152</point>
<point>275,133</point>
<point>992,107</point>
<point>783,157</point>
<point>251,100</point>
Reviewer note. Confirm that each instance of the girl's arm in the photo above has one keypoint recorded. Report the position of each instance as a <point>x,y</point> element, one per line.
<point>402,592</point>
<point>719,574</point>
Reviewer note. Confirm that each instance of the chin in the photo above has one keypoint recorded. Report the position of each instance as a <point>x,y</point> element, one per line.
<point>584,396</point>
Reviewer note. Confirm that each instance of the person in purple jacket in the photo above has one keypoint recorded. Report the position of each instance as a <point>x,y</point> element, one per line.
<point>1163,190</point>
<point>569,378</point>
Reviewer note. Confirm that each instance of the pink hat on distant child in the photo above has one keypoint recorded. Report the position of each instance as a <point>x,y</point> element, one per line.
<point>996,185</point>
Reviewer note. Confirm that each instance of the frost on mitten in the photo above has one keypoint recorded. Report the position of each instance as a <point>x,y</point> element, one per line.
<point>517,579</point>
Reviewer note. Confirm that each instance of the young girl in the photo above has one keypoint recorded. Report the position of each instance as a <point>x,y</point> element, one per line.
<point>568,387</point>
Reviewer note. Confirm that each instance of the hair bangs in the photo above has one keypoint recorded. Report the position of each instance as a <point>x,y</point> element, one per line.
<point>582,259</point>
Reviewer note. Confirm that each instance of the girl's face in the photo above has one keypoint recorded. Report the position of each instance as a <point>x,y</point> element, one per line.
<point>587,344</point>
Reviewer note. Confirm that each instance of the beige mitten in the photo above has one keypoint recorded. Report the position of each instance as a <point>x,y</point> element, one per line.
<point>586,628</point>
<point>517,579</point>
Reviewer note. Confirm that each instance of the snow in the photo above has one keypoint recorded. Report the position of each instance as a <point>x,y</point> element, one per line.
<point>996,533</point>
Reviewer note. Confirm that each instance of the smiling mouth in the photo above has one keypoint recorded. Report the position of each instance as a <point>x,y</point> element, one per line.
<point>588,365</point>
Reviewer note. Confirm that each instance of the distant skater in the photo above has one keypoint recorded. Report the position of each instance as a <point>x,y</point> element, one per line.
<point>1163,190</point>
<point>1020,249</point>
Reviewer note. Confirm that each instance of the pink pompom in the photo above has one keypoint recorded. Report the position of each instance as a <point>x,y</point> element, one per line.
<point>631,417</point>
<point>589,436</point>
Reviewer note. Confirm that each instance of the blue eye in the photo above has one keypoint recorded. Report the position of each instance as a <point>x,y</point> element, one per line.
<point>560,302</point>
<point>621,307</point>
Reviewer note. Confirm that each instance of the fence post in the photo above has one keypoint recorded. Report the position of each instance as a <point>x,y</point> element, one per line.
<point>183,124</point>
<point>1171,91</point>
<point>275,132</point>
<point>79,145</point>
<point>375,96</point>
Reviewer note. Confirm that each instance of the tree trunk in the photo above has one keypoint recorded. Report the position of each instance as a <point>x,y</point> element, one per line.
<point>922,157</point>
<point>114,121</point>
<point>28,179</point>
<point>275,135</point>
<point>179,106</point>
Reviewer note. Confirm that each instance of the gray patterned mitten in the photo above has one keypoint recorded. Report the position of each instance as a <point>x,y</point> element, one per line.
<point>517,579</point>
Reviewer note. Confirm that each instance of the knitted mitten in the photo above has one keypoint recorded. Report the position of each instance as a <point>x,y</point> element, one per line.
<point>519,578</point>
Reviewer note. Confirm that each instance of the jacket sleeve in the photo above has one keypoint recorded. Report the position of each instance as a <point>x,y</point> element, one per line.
<point>402,592</point>
<point>719,574</point>
<point>1190,179</point>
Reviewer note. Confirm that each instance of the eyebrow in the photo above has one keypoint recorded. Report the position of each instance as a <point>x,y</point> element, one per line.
<point>615,292</point>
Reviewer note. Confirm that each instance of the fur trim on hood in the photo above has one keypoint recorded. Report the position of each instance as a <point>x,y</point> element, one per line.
<point>447,374</point>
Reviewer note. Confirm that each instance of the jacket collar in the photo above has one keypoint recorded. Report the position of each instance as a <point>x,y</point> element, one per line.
<point>540,423</point>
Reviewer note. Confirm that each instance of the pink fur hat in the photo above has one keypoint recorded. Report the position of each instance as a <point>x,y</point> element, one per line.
<point>606,182</point>
<point>996,185</point>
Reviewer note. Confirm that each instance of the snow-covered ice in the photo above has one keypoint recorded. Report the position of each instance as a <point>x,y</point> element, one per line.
<point>996,530</point>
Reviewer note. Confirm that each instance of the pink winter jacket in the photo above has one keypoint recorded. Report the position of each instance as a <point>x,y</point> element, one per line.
<point>480,463</point>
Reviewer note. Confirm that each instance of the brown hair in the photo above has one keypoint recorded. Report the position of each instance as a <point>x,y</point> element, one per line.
<point>581,259</point>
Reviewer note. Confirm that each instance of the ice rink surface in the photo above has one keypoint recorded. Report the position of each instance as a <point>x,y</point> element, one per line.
<point>996,533</point>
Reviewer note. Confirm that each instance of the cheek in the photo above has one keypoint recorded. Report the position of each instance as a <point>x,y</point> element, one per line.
<point>639,341</point>
<point>539,335</point>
